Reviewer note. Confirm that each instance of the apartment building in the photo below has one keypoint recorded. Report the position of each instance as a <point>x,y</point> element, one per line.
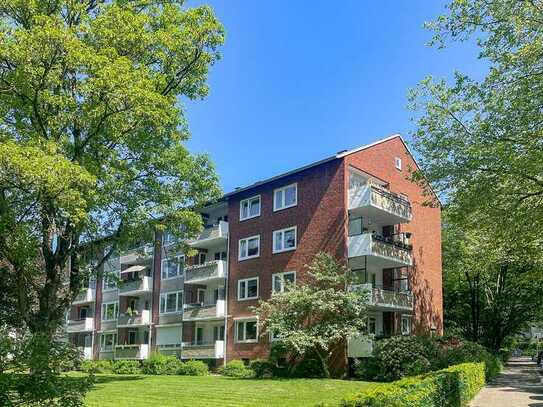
<point>358,205</point>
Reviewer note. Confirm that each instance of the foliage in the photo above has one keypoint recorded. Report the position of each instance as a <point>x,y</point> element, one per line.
<point>262,368</point>
<point>451,387</point>
<point>317,314</point>
<point>159,364</point>
<point>236,368</point>
<point>127,367</point>
<point>193,368</point>
<point>96,366</point>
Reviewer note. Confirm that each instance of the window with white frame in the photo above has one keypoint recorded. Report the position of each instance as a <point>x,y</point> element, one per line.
<point>110,311</point>
<point>248,288</point>
<point>355,226</point>
<point>249,208</point>
<point>249,248</point>
<point>284,240</point>
<point>172,267</point>
<point>406,325</point>
<point>108,341</point>
<point>285,197</point>
<point>281,280</point>
<point>398,163</point>
<point>246,331</point>
<point>171,302</point>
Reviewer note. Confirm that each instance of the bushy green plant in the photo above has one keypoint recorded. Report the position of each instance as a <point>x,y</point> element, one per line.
<point>193,368</point>
<point>126,367</point>
<point>96,366</point>
<point>451,387</point>
<point>236,368</point>
<point>262,368</point>
<point>307,366</point>
<point>471,352</point>
<point>159,364</point>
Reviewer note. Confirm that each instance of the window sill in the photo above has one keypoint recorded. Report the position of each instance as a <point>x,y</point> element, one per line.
<point>248,341</point>
<point>284,250</point>
<point>248,258</point>
<point>249,218</point>
<point>285,207</point>
<point>249,299</point>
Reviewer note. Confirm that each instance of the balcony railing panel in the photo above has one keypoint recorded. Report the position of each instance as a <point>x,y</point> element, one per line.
<point>371,197</point>
<point>211,235</point>
<point>204,272</point>
<point>204,311</point>
<point>387,298</point>
<point>391,253</point>
<point>211,350</point>
<point>141,318</point>
<point>80,325</point>
<point>140,285</point>
<point>86,295</point>
<point>140,351</point>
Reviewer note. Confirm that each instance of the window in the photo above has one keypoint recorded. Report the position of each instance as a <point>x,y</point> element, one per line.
<point>249,208</point>
<point>372,325</point>
<point>110,280</point>
<point>83,312</point>
<point>172,267</point>
<point>220,255</point>
<point>171,302</point>
<point>218,333</point>
<point>355,226</point>
<point>406,325</point>
<point>110,311</point>
<point>398,163</point>
<point>201,296</point>
<point>248,289</point>
<point>246,331</point>
<point>108,341</point>
<point>285,197</point>
<point>279,280</point>
<point>199,335</point>
<point>132,337</point>
<point>249,247</point>
<point>284,240</point>
<point>202,258</point>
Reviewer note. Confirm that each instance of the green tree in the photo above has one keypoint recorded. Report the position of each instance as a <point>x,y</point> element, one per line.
<point>318,313</point>
<point>92,137</point>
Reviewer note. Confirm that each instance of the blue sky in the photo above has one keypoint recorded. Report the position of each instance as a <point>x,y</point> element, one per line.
<point>301,80</point>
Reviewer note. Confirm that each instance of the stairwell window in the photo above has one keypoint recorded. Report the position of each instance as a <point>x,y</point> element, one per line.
<point>172,267</point>
<point>246,331</point>
<point>285,197</point>
<point>110,311</point>
<point>280,281</point>
<point>406,325</point>
<point>248,289</point>
<point>284,239</point>
<point>249,208</point>
<point>249,248</point>
<point>398,163</point>
<point>171,302</point>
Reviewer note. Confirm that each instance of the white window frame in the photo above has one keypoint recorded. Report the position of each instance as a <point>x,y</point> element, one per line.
<point>282,231</point>
<point>282,276</point>
<point>275,204</point>
<point>407,318</point>
<point>103,339</point>
<point>115,311</point>
<point>246,280</point>
<point>179,258</point>
<point>165,296</point>
<point>248,200</point>
<point>398,163</point>
<point>244,321</point>
<point>246,239</point>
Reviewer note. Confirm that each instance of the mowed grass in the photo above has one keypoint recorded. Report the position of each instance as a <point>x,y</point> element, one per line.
<point>208,391</point>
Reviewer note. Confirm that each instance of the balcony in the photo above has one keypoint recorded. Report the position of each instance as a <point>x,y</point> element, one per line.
<point>203,273</point>
<point>211,350</point>
<point>86,352</point>
<point>140,318</point>
<point>389,299</point>
<point>383,206</point>
<point>211,236</point>
<point>359,346</point>
<point>86,295</point>
<point>381,252</point>
<point>137,286</point>
<point>80,325</point>
<point>199,312</point>
<point>140,351</point>
<point>137,255</point>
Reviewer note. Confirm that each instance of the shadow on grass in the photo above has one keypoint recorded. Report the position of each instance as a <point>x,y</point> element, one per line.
<point>103,379</point>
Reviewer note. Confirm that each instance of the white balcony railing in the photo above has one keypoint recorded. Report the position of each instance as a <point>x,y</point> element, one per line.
<point>80,325</point>
<point>194,312</point>
<point>137,254</point>
<point>211,350</point>
<point>380,297</point>
<point>374,201</point>
<point>135,287</point>
<point>388,253</point>
<point>85,296</point>
<point>210,270</point>
<point>139,351</point>
<point>136,318</point>
<point>211,235</point>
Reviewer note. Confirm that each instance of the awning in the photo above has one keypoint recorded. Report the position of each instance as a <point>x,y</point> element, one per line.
<point>133,269</point>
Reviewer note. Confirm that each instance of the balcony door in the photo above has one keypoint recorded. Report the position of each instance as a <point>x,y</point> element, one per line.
<point>199,335</point>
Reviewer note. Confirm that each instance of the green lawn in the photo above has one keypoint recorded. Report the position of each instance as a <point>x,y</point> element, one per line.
<point>208,391</point>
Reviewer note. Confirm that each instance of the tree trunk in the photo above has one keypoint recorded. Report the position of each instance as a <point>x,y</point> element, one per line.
<point>324,363</point>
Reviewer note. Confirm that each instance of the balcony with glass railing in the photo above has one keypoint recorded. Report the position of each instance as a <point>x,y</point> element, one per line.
<point>80,325</point>
<point>137,285</point>
<point>381,252</point>
<point>134,318</point>
<point>206,272</point>
<point>211,236</point>
<point>379,204</point>
<point>204,311</point>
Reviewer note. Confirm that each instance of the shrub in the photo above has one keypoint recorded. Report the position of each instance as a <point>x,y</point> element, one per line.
<point>450,387</point>
<point>471,352</point>
<point>236,368</point>
<point>126,367</point>
<point>159,364</point>
<point>262,368</point>
<point>96,366</point>
<point>308,366</point>
<point>193,368</point>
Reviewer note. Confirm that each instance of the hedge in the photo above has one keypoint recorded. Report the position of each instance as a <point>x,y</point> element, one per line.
<point>236,368</point>
<point>454,386</point>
